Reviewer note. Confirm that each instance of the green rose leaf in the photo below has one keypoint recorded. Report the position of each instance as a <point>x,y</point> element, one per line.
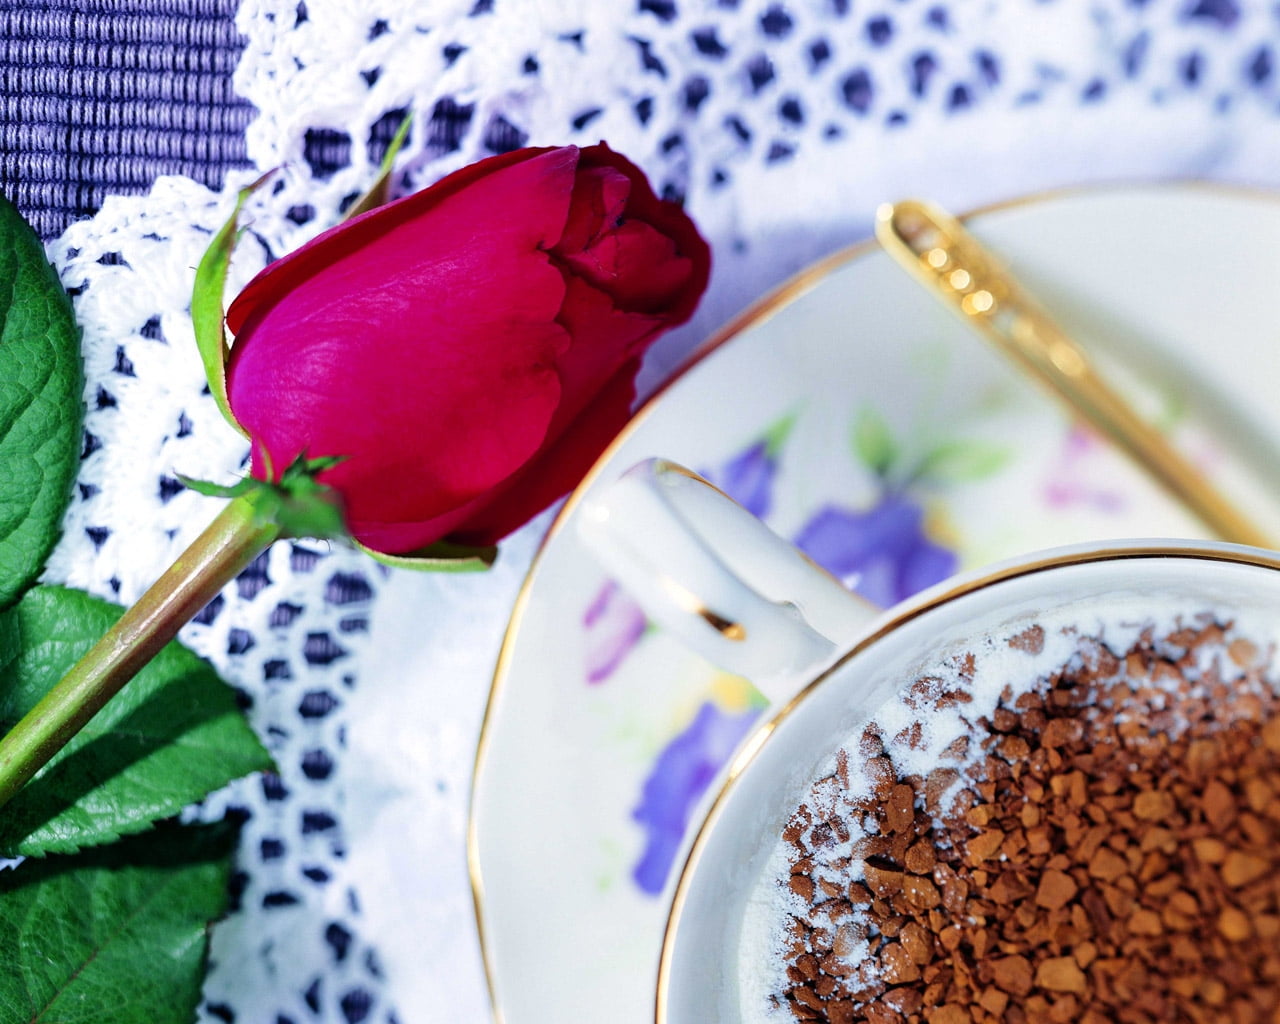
<point>41,408</point>
<point>167,739</point>
<point>119,933</point>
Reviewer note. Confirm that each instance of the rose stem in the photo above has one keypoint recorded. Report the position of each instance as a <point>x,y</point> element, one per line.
<point>237,536</point>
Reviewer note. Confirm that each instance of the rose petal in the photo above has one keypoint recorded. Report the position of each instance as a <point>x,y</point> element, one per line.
<point>606,344</point>
<point>441,399</point>
<point>644,207</point>
<point>604,338</point>
<point>605,347</point>
<point>599,199</point>
<point>604,243</point>
<point>541,482</point>
<point>282,276</point>
<point>471,349</point>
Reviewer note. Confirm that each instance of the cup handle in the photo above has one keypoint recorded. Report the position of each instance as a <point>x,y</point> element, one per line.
<point>715,576</point>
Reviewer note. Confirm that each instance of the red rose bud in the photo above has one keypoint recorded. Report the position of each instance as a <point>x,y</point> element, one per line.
<point>470,349</point>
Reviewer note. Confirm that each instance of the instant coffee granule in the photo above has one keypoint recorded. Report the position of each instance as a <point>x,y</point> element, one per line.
<point>1103,847</point>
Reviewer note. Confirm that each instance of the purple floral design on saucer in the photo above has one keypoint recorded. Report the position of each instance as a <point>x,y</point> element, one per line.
<point>748,478</point>
<point>1074,481</point>
<point>883,552</point>
<point>613,624</point>
<point>887,550</point>
<point>680,775</point>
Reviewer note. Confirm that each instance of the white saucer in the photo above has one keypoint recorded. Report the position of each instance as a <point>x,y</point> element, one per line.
<point>860,409</point>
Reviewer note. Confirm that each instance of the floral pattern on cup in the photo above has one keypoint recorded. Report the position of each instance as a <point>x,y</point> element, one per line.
<point>887,550</point>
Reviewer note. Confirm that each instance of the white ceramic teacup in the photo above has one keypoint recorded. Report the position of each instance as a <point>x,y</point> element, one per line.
<point>828,662</point>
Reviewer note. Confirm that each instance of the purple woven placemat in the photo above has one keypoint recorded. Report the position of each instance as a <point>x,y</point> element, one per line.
<point>103,96</point>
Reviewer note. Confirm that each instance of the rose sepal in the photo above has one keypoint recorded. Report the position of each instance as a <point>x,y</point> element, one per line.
<point>208,314</point>
<point>303,507</point>
<point>442,556</point>
<point>298,504</point>
<point>380,191</point>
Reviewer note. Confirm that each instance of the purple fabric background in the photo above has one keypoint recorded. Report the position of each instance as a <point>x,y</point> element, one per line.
<point>103,96</point>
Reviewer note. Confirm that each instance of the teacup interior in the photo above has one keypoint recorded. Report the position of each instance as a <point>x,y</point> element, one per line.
<point>708,972</point>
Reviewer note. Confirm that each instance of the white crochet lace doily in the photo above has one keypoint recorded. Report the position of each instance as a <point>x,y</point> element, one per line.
<point>781,125</point>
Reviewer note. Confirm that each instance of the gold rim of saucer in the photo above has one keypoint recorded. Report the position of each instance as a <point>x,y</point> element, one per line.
<point>758,312</point>
<point>913,608</point>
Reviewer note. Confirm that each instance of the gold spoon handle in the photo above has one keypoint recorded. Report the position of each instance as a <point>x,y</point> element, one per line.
<point>970,281</point>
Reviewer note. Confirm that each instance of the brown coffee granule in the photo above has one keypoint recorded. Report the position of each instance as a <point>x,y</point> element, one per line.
<point>1107,851</point>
